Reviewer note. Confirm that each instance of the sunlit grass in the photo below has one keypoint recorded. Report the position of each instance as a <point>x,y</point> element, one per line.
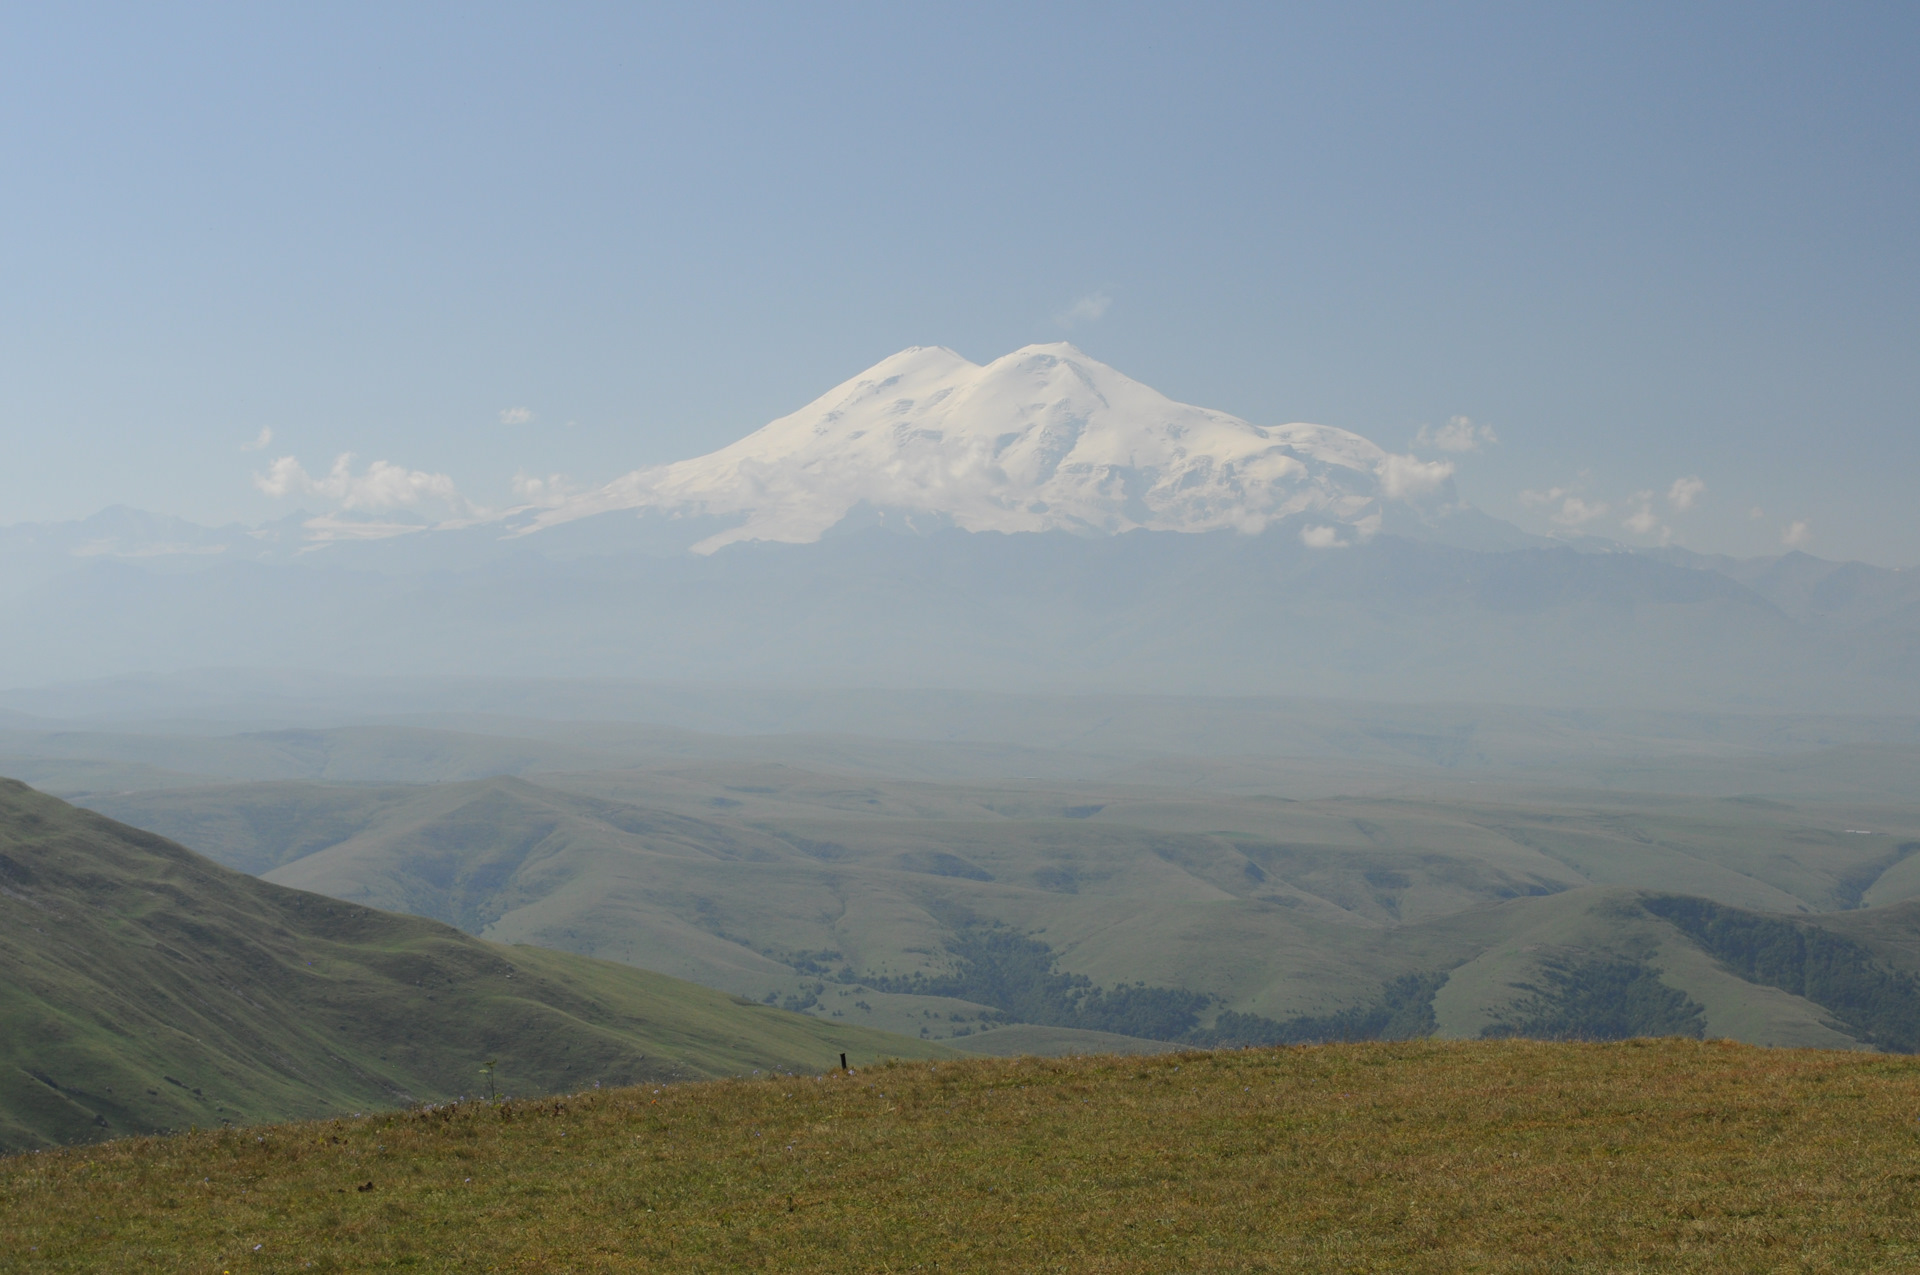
<point>1497,1156</point>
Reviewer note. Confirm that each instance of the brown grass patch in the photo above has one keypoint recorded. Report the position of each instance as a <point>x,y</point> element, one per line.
<point>1495,1156</point>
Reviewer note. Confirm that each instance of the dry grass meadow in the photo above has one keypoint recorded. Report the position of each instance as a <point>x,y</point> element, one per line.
<point>1419,1156</point>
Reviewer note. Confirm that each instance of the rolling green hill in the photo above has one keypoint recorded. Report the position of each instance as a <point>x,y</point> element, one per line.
<point>143,987</point>
<point>948,909</point>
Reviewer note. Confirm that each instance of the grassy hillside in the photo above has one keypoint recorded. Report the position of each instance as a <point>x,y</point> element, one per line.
<point>866,900</point>
<point>143,987</point>
<point>1492,1156</point>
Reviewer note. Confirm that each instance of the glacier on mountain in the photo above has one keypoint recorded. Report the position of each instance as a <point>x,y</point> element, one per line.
<point>1043,439</point>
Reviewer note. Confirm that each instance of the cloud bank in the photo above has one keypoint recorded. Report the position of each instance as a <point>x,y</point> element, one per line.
<point>548,492</point>
<point>1643,521</point>
<point>1639,513</point>
<point>1404,476</point>
<point>1684,492</point>
<point>1321,537</point>
<point>381,486</point>
<point>1567,508</point>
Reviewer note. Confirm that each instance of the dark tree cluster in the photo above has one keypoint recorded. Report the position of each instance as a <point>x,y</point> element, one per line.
<point>1875,1004</point>
<point>1603,998</point>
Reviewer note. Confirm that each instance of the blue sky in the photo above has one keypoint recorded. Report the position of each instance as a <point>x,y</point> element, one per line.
<point>1644,243</point>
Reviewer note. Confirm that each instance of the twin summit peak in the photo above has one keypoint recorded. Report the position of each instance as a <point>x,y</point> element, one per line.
<point>1043,439</point>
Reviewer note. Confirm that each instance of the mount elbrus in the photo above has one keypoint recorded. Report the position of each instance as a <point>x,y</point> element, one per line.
<point>1041,522</point>
<point>1044,439</point>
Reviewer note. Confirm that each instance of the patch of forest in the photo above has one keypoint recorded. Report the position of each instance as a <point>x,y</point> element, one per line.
<point>1871,1001</point>
<point>1017,975</point>
<point>1600,998</point>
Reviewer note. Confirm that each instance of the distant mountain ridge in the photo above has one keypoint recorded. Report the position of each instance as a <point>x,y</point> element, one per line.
<point>1219,613</point>
<point>1041,522</point>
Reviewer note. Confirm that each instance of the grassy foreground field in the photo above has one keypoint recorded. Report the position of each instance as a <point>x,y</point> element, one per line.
<point>1490,1156</point>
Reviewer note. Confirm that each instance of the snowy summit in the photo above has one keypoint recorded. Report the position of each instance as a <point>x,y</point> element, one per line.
<point>1043,439</point>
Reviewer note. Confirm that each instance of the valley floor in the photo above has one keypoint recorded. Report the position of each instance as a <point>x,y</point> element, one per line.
<point>1424,1155</point>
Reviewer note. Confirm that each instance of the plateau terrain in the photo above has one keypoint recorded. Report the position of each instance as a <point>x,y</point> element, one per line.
<point>1001,875</point>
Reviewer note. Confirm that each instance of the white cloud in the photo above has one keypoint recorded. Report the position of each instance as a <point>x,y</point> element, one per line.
<point>327,529</point>
<point>1796,533</point>
<point>259,444</point>
<point>284,477</point>
<point>1085,310</point>
<point>382,485</point>
<point>516,415</point>
<point>1574,511</point>
<point>1403,476</point>
<point>1684,492</point>
<point>1756,512</point>
<point>546,492</point>
<point>1321,538</point>
<point>1458,435</point>
<point>1643,521</point>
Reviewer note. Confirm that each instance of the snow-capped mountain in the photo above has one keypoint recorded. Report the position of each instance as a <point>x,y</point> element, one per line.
<point>1043,439</point>
<point>1430,600</point>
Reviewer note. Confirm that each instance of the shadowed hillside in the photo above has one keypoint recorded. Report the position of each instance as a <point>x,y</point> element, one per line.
<point>143,987</point>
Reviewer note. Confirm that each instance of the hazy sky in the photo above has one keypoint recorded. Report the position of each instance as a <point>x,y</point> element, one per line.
<point>1642,243</point>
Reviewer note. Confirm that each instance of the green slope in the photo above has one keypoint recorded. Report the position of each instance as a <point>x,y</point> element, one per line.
<point>831,893</point>
<point>143,987</point>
